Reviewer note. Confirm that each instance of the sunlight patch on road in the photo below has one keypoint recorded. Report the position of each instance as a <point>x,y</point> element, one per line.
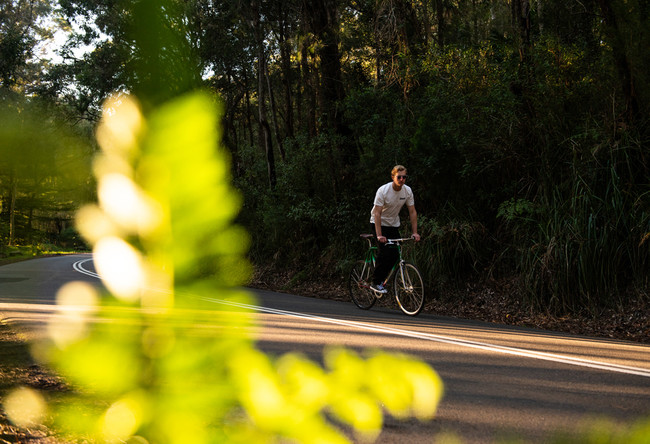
<point>454,341</point>
<point>543,356</point>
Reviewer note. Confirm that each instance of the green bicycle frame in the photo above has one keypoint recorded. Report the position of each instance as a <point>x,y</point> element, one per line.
<point>371,258</point>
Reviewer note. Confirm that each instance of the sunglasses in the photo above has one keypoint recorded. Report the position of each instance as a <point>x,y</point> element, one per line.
<point>401,177</point>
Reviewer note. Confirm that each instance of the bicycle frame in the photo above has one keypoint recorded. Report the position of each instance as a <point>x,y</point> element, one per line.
<point>400,263</point>
<point>371,255</point>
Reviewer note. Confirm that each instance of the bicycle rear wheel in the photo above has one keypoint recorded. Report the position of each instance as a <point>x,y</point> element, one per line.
<point>359,285</point>
<point>409,290</point>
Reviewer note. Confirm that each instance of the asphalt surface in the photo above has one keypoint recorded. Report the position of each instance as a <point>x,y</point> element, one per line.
<point>501,382</point>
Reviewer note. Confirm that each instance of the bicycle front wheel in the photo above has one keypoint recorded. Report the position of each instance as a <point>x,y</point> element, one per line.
<point>409,289</point>
<point>359,285</point>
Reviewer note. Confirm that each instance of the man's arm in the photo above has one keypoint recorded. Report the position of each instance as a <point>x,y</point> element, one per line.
<point>413,216</point>
<point>376,211</point>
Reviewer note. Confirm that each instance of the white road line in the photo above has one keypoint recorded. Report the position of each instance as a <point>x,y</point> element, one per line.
<point>447,340</point>
<point>78,266</point>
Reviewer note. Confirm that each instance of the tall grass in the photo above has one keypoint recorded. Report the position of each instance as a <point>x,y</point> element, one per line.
<point>452,248</point>
<point>589,244</point>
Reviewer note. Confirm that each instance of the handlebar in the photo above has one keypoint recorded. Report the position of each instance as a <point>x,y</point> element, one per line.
<point>397,241</point>
<point>370,237</point>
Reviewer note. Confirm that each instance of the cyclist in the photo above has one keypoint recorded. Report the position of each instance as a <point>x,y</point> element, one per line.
<point>385,222</point>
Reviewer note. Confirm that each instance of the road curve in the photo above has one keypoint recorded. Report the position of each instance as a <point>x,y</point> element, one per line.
<point>500,382</point>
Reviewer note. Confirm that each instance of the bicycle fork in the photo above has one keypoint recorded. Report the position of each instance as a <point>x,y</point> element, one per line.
<point>406,279</point>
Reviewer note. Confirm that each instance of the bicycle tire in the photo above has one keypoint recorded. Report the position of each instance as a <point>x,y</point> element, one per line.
<point>359,285</point>
<point>409,290</point>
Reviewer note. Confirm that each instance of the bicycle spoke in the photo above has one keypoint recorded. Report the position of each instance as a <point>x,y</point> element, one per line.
<point>359,285</point>
<point>409,289</point>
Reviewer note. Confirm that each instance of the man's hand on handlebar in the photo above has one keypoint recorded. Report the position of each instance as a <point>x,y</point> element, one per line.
<point>384,240</point>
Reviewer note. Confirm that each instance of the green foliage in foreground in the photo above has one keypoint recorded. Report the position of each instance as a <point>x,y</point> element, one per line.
<point>606,432</point>
<point>166,358</point>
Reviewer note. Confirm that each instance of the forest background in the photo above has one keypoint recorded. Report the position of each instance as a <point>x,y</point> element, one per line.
<point>523,125</point>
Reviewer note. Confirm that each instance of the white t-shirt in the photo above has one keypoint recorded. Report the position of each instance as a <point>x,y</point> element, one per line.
<point>392,202</point>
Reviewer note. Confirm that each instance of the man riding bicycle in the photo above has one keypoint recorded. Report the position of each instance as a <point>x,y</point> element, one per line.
<point>385,222</point>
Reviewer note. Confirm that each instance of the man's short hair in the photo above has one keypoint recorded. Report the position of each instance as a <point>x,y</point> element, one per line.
<point>397,169</point>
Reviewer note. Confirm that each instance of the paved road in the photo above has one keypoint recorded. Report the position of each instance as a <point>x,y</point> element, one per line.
<point>500,381</point>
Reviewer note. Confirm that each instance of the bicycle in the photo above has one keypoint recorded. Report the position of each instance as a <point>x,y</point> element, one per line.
<point>407,285</point>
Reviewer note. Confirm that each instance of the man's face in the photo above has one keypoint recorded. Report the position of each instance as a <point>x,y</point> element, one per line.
<point>399,179</point>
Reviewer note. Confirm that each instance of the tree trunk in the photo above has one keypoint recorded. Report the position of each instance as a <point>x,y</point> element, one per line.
<point>324,23</point>
<point>249,111</point>
<point>307,111</point>
<point>521,25</point>
<point>377,44</point>
<point>627,30</point>
<point>440,16</point>
<point>12,208</point>
<point>287,75</point>
<point>274,116</point>
<point>426,24</point>
<point>474,37</point>
<point>540,15</point>
<point>230,134</point>
<point>265,138</point>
